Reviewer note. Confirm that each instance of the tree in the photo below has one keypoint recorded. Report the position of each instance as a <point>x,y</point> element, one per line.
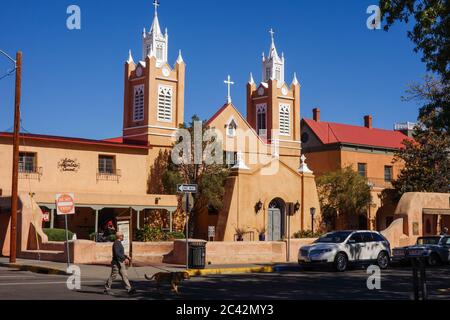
<point>343,193</point>
<point>427,158</point>
<point>434,97</point>
<point>210,176</point>
<point>431,35</point>
<point>431,32</point>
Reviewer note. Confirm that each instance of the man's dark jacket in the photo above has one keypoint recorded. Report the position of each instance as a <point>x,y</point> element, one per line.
<point>118,252</point>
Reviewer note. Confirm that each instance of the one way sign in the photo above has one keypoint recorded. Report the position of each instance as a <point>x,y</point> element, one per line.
<point>187,188</point>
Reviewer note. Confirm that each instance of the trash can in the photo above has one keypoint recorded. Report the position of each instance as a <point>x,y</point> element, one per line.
<point>197,255</point>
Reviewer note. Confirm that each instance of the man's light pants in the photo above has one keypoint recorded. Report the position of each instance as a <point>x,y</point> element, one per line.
<point>118,269</point>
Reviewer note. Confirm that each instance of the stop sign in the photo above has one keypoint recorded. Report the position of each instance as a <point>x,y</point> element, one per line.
<point>65,203</point>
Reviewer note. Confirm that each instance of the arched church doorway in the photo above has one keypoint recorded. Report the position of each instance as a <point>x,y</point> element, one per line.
<point>276,218</point>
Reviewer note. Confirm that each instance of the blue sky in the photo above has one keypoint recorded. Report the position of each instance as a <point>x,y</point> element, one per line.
<point>73,80</point>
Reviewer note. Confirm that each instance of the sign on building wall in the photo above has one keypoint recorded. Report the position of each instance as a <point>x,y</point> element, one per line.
<point>124,228</point>
<point>45,217</point>
<point>211,232</point>
<point>65,204</point>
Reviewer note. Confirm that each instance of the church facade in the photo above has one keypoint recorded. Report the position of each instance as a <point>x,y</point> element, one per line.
<point>269,179</point>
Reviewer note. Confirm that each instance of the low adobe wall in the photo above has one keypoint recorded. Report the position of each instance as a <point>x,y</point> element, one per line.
<point>394,234</point>
<point>242,252</point>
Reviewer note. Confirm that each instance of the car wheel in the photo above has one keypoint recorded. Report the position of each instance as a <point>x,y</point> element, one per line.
<point>383,260</point>
<point>434,260</point>
<point>341,262</point>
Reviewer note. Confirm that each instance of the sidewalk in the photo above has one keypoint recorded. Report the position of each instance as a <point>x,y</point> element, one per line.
<point>139,272</point>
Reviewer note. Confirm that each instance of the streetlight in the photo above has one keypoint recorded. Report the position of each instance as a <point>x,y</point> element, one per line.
<point>313,213</point>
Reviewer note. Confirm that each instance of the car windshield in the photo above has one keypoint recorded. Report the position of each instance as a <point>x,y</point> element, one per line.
<point>428,240</point>
<point>334,237</point>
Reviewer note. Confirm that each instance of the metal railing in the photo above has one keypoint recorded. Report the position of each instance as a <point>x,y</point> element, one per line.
<point>380,183</point>
<point>109,175</point>
<point>32,174</point>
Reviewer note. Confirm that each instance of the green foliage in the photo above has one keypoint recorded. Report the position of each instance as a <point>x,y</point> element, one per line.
<point>307,234</point>
<point>149,234</point>
<point>344,192</point>
<point>430,33</point>
<point>209,176</point>
<point>58,235</point>
<point>427,163</point>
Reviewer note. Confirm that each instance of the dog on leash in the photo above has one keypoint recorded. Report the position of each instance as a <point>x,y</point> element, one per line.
<point>172,278</point>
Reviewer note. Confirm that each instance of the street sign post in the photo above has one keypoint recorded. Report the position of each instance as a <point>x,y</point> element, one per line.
<point>188,190</point>
<point>65,205</point>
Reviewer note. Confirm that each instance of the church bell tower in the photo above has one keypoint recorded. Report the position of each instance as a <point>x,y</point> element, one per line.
<point>154,91</point>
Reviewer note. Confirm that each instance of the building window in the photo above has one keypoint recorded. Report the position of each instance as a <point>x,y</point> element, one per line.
<point>388,174</point>
<point>231,128</point>
<point>138,103</point>
<point>362,169</point>
<point>268,74</point>
<point>278,74</point>
<point>107,165</point>
<point>165,104</point>
<point>261,120</point>
<point>27,162</point>
<point>159,52</point>
<point>285,120</point>
<point>230,158</point>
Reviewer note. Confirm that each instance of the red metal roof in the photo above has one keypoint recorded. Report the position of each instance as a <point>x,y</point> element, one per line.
<point>330,133</point>
<point>108,143</point>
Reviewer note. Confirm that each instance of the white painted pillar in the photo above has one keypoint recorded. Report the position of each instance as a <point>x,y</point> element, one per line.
<point>52,218</point>
<point>96,221</point>
<point>138,219</point>
<point>171,220</point>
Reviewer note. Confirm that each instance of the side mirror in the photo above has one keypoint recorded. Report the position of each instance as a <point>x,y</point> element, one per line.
<point>351,241</point>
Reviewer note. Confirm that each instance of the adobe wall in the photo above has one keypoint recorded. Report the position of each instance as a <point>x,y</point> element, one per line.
<point>411,207</point>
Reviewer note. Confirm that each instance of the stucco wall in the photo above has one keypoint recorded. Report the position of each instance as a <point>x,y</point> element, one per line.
<point>134,168</point>
<point>411,207</point>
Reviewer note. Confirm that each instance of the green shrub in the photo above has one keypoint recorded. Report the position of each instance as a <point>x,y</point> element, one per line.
<point>58,235</point>
<point>149,234</point>
<point>176,236</point>
<point>307,234</point>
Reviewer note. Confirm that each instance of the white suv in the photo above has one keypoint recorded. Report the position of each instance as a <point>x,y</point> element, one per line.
<point>342,248</point>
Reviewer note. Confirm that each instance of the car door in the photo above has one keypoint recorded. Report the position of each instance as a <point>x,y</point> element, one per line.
<point>354,247</point>
<point>446,246</point>
<point>371,247</point>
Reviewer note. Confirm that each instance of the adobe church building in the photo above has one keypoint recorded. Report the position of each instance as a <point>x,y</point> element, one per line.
<point>114,177</point>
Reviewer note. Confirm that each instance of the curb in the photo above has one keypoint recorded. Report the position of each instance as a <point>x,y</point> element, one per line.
<point>224,271</point>
<point>35,269</point>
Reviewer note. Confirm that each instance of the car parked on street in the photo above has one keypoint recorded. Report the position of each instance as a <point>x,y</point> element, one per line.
<point>435,249</point>
<point>342,248</point>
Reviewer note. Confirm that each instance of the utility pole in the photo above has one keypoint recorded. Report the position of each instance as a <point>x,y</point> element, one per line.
<point>15,170</point>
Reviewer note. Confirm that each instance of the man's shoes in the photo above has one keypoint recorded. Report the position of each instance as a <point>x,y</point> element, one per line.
<point>132,292</point>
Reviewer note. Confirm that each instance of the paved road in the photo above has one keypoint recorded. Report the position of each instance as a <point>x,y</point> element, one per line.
<point>287,285</point>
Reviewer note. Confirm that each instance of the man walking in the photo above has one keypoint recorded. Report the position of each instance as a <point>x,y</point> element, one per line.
<point>119,266</point>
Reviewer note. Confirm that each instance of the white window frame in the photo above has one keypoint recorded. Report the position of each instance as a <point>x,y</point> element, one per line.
<point>261,108</point>
<point>285,119</point>
<point>138,110</point>
<point>165,108</point>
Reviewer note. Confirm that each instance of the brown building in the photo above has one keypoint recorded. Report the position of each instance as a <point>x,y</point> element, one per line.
<point>368,150</point>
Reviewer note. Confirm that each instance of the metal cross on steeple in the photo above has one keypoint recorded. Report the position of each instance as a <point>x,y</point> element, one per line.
<point>156,5</point>
<point>272,33</point>
<point>228,82</point>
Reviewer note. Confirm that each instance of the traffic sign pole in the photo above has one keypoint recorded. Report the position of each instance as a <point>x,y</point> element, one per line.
<point>67,242</point>
<point>187,231</point>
